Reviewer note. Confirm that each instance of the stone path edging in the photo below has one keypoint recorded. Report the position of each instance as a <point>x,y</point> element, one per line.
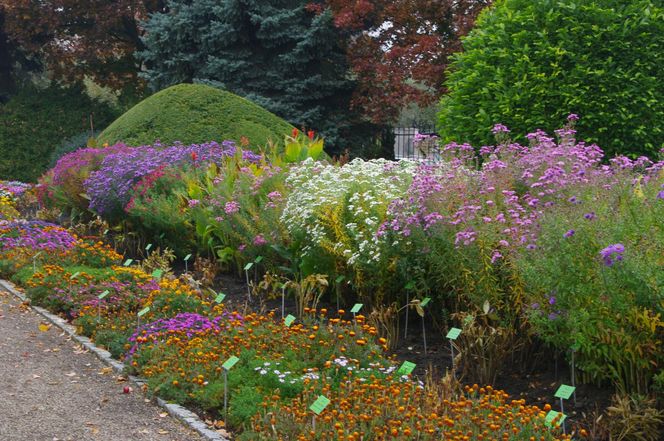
<point>183,414</point>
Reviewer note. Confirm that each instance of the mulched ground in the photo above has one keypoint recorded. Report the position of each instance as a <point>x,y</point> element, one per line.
<point>536,381</point>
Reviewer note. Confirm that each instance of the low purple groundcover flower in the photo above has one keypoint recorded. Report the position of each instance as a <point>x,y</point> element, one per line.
<point>189,323</point>
<point>612,253</point>
<point>569,233</point>
<point>35,234</point>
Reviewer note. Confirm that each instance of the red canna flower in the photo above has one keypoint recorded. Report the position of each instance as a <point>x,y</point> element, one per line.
<point>311,134</point>
<point>295,132</point>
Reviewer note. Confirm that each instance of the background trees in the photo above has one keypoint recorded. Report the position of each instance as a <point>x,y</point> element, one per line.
<point>398,49</point>
<point>77,38</point>
<point>280,55</point>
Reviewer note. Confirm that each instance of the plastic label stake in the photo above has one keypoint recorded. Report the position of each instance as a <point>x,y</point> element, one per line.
<point>406,368</point>
<point>452,335</point>
<point>564,392</point>
<point>227,366</point>
<point>288,321</point>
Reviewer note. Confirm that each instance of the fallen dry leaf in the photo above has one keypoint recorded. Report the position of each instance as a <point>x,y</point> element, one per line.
<point>162,432</point>
<point>43,327</point>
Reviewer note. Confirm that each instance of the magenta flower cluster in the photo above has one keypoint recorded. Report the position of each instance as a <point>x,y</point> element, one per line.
<point>109,188</point>
<point>474,202</point>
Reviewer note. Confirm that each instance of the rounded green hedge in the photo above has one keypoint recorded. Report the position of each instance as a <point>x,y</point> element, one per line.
<point>529,63</point>
<point>195,113</point>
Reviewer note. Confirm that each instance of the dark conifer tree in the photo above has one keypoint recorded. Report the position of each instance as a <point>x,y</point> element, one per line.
<point>279,54</point>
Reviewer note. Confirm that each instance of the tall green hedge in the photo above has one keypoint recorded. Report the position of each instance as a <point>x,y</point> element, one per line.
<point>529,63</point>
<point>194,113</point>
<point>35,121</point>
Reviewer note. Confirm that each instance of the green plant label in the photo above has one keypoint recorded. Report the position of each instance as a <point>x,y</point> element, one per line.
<point>102,295</point>
<point>288,320</point>
<point>410,285</point>
<point>157,273</point>
<point>105,232</point>
<point>128,262</point>
<point>356,308</point>
<point>564,392</point>
<point>143,311</point>
<point>339,279</point>
<point>75,275</point>
<point>228,364</point>
<point>425,301</point>
<point>406,368</point>
<point>187,257</point>
<point>248,266</point>
<point>258,259</point>
<point>453,334</point>
<point>552,415</point>
<point>220,298</point>
<point>147,248</point>
<point>319,405</point>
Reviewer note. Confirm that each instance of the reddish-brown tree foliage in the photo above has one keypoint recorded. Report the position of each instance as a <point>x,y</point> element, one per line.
<point>399,49</point>
<point>74,38</point>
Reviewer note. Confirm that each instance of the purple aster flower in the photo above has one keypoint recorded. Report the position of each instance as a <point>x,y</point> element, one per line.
<point>660,195</point>
<point>499,128</point>
<point>259,240</point>
<point>612,253</point>
<point>569,233</point>
<point>589,216</point>
<point>231,207</point>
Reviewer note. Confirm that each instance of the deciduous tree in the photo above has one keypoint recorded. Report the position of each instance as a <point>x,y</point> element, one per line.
<point>399,49</point>
<point>75,38</point>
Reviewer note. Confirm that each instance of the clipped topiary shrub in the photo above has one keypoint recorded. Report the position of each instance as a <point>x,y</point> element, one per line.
<point>34,122</point>
<point>195,113</point>
<point>528,63</point>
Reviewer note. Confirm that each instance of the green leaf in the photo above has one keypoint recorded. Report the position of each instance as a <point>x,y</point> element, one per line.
<point>292,152</point>
<point>316,149</point>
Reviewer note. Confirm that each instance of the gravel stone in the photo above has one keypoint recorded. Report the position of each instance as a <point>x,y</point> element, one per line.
<point>52,389</point>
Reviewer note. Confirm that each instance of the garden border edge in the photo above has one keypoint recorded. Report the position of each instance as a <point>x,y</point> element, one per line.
<point>182,414</point>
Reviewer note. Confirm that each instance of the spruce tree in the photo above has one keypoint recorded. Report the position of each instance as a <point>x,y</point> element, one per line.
<point>282,55</point>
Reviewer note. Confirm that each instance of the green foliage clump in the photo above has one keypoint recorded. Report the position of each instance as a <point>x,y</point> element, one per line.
<point>608,308</point>
<point>35,121</point>
<point>527,64</point>
<point>195,113</point>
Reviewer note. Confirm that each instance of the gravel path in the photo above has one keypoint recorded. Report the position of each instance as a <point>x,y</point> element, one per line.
<point>51,390</point>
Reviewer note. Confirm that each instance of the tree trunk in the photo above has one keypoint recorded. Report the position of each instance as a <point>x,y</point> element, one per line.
<point>6,80</point>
